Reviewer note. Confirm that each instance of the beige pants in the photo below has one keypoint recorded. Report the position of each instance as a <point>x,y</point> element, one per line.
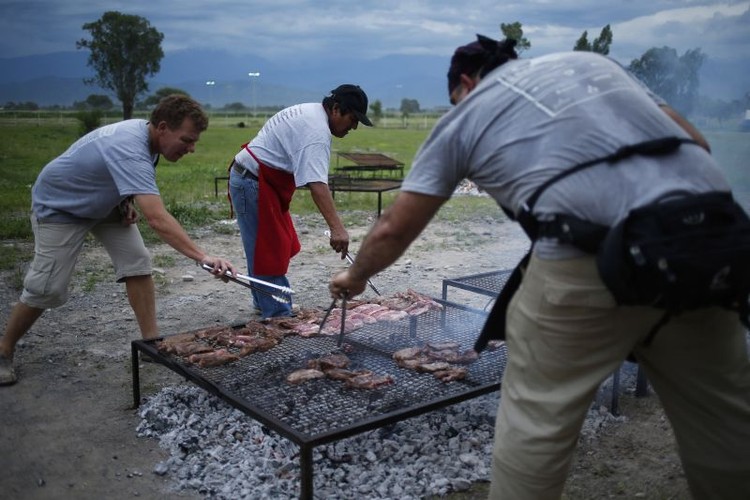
<point>566,335</point>
<point>56,249</point>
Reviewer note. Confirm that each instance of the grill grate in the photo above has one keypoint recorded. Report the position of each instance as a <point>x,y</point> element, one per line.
<point>324,410</point>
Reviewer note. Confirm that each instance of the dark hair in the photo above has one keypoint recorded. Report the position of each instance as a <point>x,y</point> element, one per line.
<point>174,108</point>
<point>479,58</point>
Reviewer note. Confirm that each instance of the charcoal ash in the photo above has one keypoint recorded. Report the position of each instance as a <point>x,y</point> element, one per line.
<point>220,453</point>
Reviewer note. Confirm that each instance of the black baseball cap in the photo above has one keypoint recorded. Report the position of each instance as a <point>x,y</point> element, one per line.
<point>352,98</point>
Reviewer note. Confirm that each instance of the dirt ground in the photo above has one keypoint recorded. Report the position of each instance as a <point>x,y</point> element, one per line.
<point>68,425</point>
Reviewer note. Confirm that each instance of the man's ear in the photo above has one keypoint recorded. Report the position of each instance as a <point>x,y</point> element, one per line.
<point>468,82</point>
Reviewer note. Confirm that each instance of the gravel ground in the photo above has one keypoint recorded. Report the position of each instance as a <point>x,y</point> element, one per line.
<point>70,429</point>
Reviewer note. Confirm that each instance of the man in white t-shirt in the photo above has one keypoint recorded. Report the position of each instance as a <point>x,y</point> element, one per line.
<point>94,187</point>
<point>515,125</point>
<point>292,149</point>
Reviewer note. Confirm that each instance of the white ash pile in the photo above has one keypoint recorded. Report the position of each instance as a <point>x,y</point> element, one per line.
<point>222,453</point>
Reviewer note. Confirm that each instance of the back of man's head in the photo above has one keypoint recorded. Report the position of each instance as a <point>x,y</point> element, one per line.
<point>174,108</point>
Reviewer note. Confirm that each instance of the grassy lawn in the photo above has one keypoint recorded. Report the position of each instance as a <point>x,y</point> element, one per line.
<point>187,186</point>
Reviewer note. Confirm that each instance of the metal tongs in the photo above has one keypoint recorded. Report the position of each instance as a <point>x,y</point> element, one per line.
<point>283,295</point>
<point>343,318</point>
<point>350,259</point>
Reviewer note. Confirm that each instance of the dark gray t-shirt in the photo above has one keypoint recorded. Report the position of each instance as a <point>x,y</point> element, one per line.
<point>96,173</point>
<point>530,119</point>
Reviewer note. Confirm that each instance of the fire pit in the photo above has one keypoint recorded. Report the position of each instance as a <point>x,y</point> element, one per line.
<point>324,411</point>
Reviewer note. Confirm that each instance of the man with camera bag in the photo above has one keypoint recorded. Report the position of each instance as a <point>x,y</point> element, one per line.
<point>570,144</point>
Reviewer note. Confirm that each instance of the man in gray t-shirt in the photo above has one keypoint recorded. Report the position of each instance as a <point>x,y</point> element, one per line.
<point>515,125</point>
<point>94,187</point>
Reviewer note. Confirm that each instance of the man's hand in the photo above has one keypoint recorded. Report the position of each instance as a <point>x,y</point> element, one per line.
<point>339,241</point>
<point>345,285</point>
<point>220,266</point>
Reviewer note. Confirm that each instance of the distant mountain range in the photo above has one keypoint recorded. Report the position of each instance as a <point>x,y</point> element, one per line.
<point>57,78</point>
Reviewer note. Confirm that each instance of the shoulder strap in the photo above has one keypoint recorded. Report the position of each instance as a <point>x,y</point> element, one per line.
<point>656,147</point>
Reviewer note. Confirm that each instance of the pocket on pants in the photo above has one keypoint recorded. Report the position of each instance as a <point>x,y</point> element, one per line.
<point>38,278</point>
<point>569,294</point>
<point>237,192</point>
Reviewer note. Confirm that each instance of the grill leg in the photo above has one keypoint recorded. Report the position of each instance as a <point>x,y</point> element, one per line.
<point>136,376</point>
<point>641,384</point>
<point>614,407</point>
<point>306,472</point>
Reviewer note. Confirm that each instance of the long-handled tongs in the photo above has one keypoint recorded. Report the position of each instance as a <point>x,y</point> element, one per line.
<point>350,259</point>
<point>343,318</point>
<point>283,294</point>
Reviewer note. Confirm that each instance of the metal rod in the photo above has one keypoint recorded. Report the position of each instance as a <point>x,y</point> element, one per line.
<point>136,375</point>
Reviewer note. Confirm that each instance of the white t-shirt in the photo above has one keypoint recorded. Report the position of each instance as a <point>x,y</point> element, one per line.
<point>530,119</point>
<point>297,140</point>
<point>96,173</point>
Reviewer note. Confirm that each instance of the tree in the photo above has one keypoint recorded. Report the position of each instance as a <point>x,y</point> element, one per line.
<point>514,31</point>
<point>125,49</point>
<point>600,45</point>
<point>377,111</point>
<point>672,77</point>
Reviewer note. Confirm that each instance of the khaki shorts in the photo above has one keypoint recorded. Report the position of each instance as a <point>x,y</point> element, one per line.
<point>56,249</point>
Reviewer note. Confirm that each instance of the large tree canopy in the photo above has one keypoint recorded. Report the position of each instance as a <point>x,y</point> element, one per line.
<point>125,49</point>
<point>674,78</point>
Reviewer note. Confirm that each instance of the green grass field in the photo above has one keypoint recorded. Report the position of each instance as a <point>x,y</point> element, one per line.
<point>187,186</point>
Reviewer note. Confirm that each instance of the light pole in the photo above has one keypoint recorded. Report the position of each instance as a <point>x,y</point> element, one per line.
<point>253,77</point>
<point>210,84</point>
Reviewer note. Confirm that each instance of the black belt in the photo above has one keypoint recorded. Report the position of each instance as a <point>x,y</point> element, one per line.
<point>243,171</point>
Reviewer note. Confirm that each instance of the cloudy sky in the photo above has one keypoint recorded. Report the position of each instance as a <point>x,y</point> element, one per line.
<point>297,30</point>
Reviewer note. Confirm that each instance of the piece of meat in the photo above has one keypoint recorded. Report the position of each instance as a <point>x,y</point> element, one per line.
<point>303,375</point>
<point>369,308</point>
<point>182,338</point>
<point>213,358</point>
<point>415,363</point>
<point>390,315</point>
<point>451,374</point>
<point>433,367</point>
<point>344,374</point>
<point>441,346</point>
<point>307,329</point>
<point>462,358</point>
<point>407,353</point>
<point>212,333</point>
<point>329,361</point>
<point>256,344</point>
<point>368,381</point>
<point>187,348</point>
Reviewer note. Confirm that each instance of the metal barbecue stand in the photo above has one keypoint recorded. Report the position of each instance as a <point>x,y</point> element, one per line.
<point>323,411</point>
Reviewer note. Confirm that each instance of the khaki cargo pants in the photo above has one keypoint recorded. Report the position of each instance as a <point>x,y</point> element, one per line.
<point>566,335</point>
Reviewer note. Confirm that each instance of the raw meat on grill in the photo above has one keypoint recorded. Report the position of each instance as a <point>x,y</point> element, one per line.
<point>433,367</point>
<point>329,362</point>
<point>250,345</point>
<point>213,358</point>
<point>306,329</point>
<point>303,375</point>
<point>436,358</point>
<point>187,348</point>
<point>342,373</point>
<point>451,374</point>
<point>368,381</point>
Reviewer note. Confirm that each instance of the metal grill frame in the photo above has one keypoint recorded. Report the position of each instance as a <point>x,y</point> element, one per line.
<point>484,377</point>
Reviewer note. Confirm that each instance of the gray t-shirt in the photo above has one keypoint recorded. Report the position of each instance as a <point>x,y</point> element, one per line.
<point>96,173</point>
<point>530,119</point>
<point>297,140</point>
